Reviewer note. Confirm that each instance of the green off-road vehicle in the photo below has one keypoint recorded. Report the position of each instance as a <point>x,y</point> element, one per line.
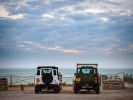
<point>86,77</point>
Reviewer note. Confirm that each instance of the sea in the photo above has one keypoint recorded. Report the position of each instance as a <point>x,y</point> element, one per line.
<point>26,75</point>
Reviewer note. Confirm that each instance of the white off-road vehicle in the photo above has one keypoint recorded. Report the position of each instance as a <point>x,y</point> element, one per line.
<point>47,78</point>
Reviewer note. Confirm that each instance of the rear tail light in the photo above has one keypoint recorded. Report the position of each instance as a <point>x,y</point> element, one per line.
<point>98,78</point>
<point>37,81</point>
<point>77,79</point>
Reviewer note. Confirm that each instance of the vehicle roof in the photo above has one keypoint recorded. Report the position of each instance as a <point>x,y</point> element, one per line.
<point>53,67</point>
<point>82,65</point>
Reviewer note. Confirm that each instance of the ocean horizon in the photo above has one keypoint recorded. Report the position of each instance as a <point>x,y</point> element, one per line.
<point>64,71</point>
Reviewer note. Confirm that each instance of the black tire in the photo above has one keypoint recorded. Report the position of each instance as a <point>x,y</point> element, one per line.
<point>37,89</point>
<point>97,89</point>
<point>76,89</point>
<point>57,89</point>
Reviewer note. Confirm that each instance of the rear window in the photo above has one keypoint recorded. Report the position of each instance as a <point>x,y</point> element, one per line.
<point>85,70</point>
<point>46,71</point>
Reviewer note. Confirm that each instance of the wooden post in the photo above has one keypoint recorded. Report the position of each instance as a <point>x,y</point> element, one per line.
<point>22,87</point>
<point>10,80</point>
<point>34,80</point>
<point>100,79</point>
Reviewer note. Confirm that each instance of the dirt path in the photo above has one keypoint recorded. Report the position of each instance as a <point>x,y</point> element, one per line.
<point>15,93</point>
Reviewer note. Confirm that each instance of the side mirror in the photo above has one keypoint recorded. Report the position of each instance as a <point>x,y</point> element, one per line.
<point>75,74</point>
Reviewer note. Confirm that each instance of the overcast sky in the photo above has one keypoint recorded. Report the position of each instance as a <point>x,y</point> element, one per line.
<point>66,32</point>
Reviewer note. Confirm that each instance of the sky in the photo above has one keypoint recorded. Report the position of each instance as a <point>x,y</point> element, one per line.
<point>66,32</point>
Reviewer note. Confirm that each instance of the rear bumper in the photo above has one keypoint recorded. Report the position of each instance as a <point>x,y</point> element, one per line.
<point>48,86</point>
<point>85,86</point>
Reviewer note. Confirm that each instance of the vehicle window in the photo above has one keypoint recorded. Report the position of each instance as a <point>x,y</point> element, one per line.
<point>54,71</point>
<point>95,71</point>
<point>38,72</point>
<point>85,70</point>
<point>78,70</point>
<point>46,71</point>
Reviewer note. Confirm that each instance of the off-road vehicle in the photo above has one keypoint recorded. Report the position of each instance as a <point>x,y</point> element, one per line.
<point>86,77</point>
<point>47,78</point>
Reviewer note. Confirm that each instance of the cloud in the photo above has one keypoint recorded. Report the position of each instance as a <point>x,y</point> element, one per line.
<point>30,50</point>
<point>107,51</point>
<point>28,42</point>
<point>71,51</point>
<point>5,14</point>
<point>48,16</point>
<point>58,48</point>
<point>127,49</point>
<point>20,45</point>
<point>99,7</point>
<point>90,10</point>
<point>104,19</point>
<point>130,48</point>
<point>47,2</point>
<point>14,2</point>
<point>32,46</point>
<point>39,45</point>
<point>17,16</point>
<point>26,48</point>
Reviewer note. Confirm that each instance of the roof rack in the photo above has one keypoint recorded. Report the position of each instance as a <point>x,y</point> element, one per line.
<point>39,67</point>
<point>93,65</point>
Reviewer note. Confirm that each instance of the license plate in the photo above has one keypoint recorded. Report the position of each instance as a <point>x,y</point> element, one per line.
<point>86,86</point>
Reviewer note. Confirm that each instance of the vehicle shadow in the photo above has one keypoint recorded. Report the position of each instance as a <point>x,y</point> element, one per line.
<point>68,92</point>
<point>48,92</point>
<point>87,92</point>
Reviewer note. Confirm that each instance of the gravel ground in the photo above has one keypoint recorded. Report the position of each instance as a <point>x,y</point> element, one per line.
<point>14,93</point>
